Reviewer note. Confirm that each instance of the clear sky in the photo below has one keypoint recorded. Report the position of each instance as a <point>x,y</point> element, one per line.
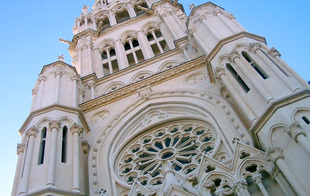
<point>29,40</point>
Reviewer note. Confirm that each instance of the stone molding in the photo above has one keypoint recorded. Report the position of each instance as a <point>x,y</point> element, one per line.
<point>274,154</point>
<point>294,130</point>
<point>32,132</point>
<point>75,128</point>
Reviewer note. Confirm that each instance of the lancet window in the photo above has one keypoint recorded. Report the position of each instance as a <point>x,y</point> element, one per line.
<point>157,41</point>
<point>109,61</point>
<point>42,146</point>
<point>133,51</point>
<point>257,68</point>
<point>64,144</point>
<point>240,81</point>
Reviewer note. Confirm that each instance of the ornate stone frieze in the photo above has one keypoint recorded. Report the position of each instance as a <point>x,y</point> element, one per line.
<point>196,78</point>
<point>99,116</point>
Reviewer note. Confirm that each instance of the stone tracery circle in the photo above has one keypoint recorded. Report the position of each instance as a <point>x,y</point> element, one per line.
<point>181,143</point>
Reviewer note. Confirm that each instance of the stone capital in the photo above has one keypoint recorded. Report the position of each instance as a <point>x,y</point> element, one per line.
<point>85,147</point>
<point>34,91</point>
<point>274,52</point>
<point>32,132</point>
<point>75,78</point>
<point>242,184</point>
<point>294,130</point>
<point>91,84</point>
<point>76,129</point>
<point>42,78</point>
<point>57,73</point>
<point>233,55</point>
<point>54,125</point>
<point>20,148</point>
<point>219,72</point>
<point>274,154</point>
<point>254,47</point>
<point>258,179</point>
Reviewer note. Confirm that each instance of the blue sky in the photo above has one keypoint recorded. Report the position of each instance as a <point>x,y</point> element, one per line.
<point>29,40</point>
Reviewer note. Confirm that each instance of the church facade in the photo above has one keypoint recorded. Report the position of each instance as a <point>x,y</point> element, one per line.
<point>160,103</point>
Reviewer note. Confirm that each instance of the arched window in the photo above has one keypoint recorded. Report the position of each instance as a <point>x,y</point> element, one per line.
<point>42,146</point>
<point>233,72</point>
<point>133,51</point>
<point>157,41</point>
<point>64,144</point>
<point>109,61</point>
<point>121,15</point>
<point>257,68</point>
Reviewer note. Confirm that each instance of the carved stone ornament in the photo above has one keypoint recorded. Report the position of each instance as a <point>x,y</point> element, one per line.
<point>196,78</point>
<point>76,129</point>
<point>20,148</point>
<point>54,125</point>
<point>99,116</point>
<point>85,146</point>
<point>32,132</point>
<point>154,116</point>
<point>274,52</point>
<point>273,154</point>
<point>254,47</point>
<point>294,130</point>
<point>233,55</point>
<point>145,93</point>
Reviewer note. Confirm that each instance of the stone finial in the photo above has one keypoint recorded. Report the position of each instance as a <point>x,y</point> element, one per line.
<point>61,58</point>
<point>85,9</point>
<point>191,6</point>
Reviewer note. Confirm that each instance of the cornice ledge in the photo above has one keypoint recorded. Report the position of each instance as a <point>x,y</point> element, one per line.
<point>277,104</point>
<point>224,41</point>
<point>132,88</point>
<point>51,108</point>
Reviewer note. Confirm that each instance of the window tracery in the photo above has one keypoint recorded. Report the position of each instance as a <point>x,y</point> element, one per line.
<point>133,51</point>
<point>157,41</point>
<point>180,144</point>
<point>109,60</point>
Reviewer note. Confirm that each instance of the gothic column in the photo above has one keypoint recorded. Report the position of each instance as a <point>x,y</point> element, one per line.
<point>221,75</point>
<point>54,127</point>
<point>280,179</point>
<point>184,50</point>
<point>57,86</point>
<point>120,54</point>
<point>258,181</point>
<point>295,132</point>
<point>199,42</point>
<point>131,10</point>
<point>74,79</point>
<point>42,80</point>
<point>34,96</point>
<point>167,24</point>
<point>145,45</point>
<point>112,18</point>
<point>98,62</point>
<point>20,153</point>
<point>276,55</point>
<point>256,49</point>
<point>76,131</point>
<point>23,187</point>
<point>176,18</point>
<point>204,21</point>
<point>275,155</point>
<point>92,86</point>
<point>224,20</point>
<point>235,57</point>
<point>90,54</point>
<point>242,188</point>
<point>81,95</point>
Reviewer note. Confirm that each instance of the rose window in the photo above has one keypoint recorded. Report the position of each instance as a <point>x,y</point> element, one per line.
<point>180,144</point>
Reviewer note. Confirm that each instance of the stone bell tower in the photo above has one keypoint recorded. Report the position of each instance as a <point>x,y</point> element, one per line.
<point>160,103</point>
